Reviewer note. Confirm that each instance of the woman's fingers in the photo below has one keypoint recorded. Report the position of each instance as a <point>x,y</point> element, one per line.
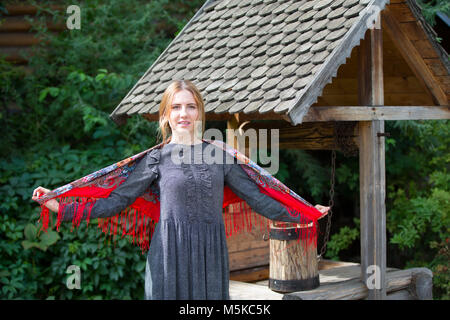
<point>38,192</point>
<point>324,210</point>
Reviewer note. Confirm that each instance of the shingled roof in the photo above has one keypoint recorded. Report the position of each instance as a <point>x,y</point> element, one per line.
<point>256,55</point>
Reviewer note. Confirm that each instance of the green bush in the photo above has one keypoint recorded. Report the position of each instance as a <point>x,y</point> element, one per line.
<point>55,129</point>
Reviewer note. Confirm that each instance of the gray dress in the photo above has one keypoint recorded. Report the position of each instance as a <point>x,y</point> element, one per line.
<point>188,255</point>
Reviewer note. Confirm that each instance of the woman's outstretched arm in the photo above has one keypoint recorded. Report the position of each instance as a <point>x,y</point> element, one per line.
<point>123,196</point>
<point>246,189</point>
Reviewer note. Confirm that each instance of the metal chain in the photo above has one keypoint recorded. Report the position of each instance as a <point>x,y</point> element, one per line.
<point>344,134</point>
<point>330,204</point>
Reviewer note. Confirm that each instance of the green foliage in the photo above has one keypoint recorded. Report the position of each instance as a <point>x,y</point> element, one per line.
<point>55,129</point>
<point>342,240</point>
<point>34,240</point>
<point>431,7</point>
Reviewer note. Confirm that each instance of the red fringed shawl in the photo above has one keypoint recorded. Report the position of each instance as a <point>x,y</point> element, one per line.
<point>138,221</point>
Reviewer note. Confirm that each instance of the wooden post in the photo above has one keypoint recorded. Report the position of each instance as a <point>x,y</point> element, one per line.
<point>372,167</point>
<point>232,136</point>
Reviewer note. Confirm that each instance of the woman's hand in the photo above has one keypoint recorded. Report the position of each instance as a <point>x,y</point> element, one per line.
<point>322,209</point>
<point>52,205</point>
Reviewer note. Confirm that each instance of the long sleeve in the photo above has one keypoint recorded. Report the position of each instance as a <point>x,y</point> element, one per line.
<point>246,189</point>
<point>123,196</point>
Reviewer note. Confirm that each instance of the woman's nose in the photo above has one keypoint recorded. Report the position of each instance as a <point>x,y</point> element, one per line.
<point>183,110</point>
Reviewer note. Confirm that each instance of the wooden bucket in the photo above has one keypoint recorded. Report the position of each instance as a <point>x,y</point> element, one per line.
<point>293,266</point>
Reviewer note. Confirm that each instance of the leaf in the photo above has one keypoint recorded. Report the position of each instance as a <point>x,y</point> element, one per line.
<point>54,91</point>
<point>42,246</point>
<point>29,244</point>
<point>99,77</point>
<point>4,273</point>
<point>49,238</point>
<point>30,232</point>
<point>43,94</point>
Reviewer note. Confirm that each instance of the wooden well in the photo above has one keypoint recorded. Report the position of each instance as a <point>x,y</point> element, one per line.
<point>293,264</point>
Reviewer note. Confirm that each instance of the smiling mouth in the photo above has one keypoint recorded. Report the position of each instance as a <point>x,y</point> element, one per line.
<point>184,122</point>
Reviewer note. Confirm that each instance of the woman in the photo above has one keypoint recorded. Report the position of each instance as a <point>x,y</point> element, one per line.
<point>188,255</point>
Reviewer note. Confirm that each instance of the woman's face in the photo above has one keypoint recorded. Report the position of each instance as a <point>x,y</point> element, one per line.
<point>183,113</point>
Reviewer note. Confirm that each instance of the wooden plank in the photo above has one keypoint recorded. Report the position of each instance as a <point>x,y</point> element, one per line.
<point>247,250</point>
<point>352,288</point>
<point>390,99</point>
<point>437,67</point>
<point>445,82</point>
<point>349,86</point>
<point>254,275</point>
<point>372,166</point>
<point>404,294</point>
<point>250,258</point>
<point>401,12</point>
<point>210,116</point>
<point>413,31</point>
<point>408,99</point>
<point>14,24</point>
<point>15,54</point>
<point>26,9</point>
<point>249,291</point>
<point>325,264</point>
<point>413,58</point>
<point>19,24</point>
<point>307,136</point>
<point>338,100</point>
<point>18,39</point>
<point>369,113</point>
<point>425,49</point>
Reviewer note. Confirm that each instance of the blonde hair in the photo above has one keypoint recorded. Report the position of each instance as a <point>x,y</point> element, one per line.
<point>165,107</point>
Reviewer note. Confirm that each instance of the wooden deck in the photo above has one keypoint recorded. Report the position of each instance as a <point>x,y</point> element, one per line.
<point>341,281</point>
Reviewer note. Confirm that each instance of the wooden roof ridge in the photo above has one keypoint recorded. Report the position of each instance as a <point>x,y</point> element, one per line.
<point>431,34</point>
<point>335,60</point>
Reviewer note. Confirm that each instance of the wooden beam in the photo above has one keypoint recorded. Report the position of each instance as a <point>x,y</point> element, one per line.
<point>210,116</point>
<point>372,167</point>
<point>307,136</point>
<point>251,274</point>
<point>232,126</point>
<point>19,24</point>
<point>344,284</point>
<point>413,57</point>
<point>369,113</point>
<point>28,9</point>
<point>18,39</point>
